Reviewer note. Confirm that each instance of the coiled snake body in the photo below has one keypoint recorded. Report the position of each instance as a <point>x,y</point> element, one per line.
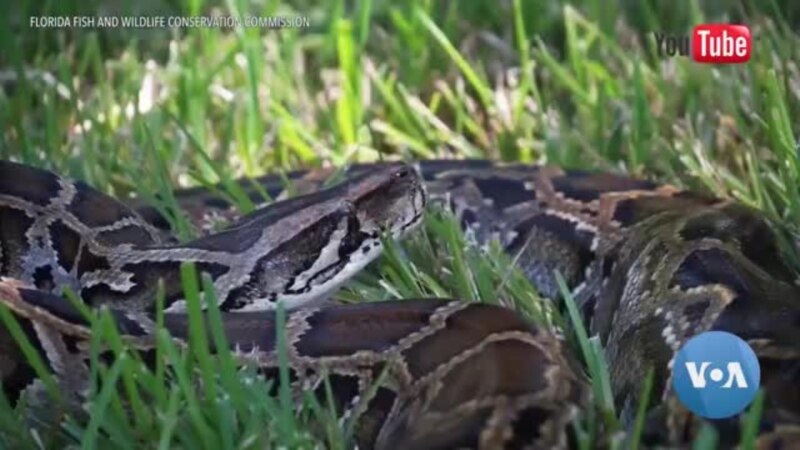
<point>651,266</point>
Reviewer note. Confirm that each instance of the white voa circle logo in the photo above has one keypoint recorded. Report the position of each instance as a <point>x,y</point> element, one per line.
<point>716,374</point>
<point>735,375</point>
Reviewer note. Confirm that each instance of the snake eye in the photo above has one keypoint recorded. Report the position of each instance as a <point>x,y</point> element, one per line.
<point>405,172</point>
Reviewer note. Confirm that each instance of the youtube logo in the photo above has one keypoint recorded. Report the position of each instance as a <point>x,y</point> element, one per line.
<point>721,44</point>
<point>711,43</point>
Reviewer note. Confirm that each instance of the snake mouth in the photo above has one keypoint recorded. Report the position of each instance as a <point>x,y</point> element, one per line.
<point>413,222</point>
<point>417,203</point>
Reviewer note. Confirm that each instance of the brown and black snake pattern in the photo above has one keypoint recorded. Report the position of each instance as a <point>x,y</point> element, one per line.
<point>651,267</point>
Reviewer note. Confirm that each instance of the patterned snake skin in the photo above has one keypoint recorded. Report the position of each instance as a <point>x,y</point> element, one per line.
<point>650,265</point>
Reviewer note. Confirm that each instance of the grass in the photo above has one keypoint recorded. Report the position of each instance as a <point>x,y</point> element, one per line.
<point>578,84</point>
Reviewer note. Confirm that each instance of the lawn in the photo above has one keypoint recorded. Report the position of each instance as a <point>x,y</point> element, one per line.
<point>577,84</point>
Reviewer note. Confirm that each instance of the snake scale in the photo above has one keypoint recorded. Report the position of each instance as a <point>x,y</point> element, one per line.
<point>650,265</point>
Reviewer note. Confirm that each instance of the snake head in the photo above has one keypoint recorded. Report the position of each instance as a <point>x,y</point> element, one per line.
<point>390,199</point>
<point>301,249</point>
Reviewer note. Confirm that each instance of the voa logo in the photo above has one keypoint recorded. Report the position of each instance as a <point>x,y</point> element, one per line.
<point>736,376</point>
<point>716,375</point>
